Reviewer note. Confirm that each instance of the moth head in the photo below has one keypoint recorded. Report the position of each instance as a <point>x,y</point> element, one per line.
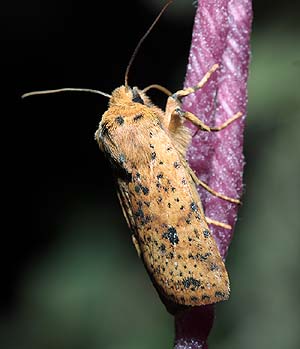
<point>126,95</point>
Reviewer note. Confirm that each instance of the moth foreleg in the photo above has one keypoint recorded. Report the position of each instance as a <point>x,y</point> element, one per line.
<point>174,111</point>
<point>187,91</point>
<point>200,124</point>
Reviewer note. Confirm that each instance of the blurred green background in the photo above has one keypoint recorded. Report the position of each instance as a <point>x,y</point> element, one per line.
<point>73,277</point>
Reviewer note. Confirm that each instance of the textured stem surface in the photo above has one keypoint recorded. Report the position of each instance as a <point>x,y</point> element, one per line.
<point>221,35</point>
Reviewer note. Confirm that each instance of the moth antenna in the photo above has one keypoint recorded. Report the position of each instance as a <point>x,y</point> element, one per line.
<point>142,40</point>
<point>158,87</point>
<point>33,93</point>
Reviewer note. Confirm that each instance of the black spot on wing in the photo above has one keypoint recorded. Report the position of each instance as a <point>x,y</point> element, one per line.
<point>219,294</point>
<point>206,233</point>
<point>204,297</point>
<point>145,190</point>
<point>213,267</point>
<point>171,235</point>
<point>162,248</point>
<point>190,282</point>
<point>138,188</point>
<point>140,215</point>
<point>202,257</point>
<point>194,206</point>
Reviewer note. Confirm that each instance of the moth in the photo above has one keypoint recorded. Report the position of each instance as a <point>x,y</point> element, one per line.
<point>146,147</point>
<point>157,191</point>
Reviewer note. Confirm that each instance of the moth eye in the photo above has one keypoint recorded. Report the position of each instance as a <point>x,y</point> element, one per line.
<point>136,97</point>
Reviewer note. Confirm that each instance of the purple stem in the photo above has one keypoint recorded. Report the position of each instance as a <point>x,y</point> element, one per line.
<point>221,35</point>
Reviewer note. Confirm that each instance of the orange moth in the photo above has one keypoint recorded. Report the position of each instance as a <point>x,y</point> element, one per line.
<point>157,189</point>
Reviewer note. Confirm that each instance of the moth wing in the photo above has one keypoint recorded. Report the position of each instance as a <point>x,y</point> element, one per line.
<point>124,199</point>
<point>123,196</point>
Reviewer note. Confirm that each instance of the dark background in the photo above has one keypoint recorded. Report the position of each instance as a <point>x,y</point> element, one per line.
<point>70,276</point>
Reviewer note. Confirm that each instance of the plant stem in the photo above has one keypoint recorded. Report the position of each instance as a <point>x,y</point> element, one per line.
<point>221,34</point>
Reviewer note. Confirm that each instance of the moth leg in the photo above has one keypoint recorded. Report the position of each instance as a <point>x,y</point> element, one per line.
<point>217,223</point>
<point>197,122</point>
<point>174,100</point>
<point>174,114</point>
<point>187,91</point>
<point>174,105</point>
<point>212,191</point>
<point>173,126</point>
<point>177,111</point>
<point>136,245</point>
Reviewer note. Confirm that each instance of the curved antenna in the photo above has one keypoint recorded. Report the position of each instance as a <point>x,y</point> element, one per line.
<point>158,87</point>
<point>45,92</point>
<point>142,39</point>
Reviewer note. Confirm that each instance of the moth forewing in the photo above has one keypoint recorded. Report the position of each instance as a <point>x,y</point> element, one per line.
<point>157,189</point>
<point>159,199</point>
